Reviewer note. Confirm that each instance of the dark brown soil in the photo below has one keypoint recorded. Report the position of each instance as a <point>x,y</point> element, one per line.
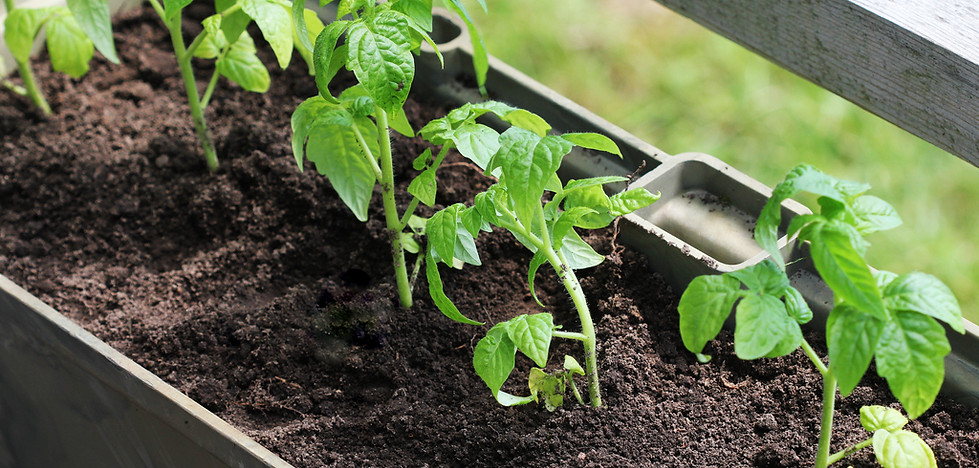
<point>256,292</point>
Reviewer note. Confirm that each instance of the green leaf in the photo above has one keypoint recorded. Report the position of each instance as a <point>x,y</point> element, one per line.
<point>476,142</point>
<point>214,41</point>
<point>796,305</point>
<point>577,184</point>
<point>312,27</point>
<point>593,141</point>
<point>299,23</point>
<point>276,25</point>
<point>532,335</point>
<point>465,246</point>
<point>631,200</point>
<point>422,161</point>
<point>302,121</point>
<point>852,337</point>
<point>551,387</point>
<point>578,253</point>
<point>420,11</point>
<point>436,291</point>
<point>801,178</point>
<point>423,187</point>
<point>473,221</point>
<point>874,214</point>
<point>323,55</point>
<point>530,121</point>
<point>338,155</point>
<point>571,365</point>
<point>762,323</point>
<point>594,198</point>
<point>409,243</point>
<point>926,294</point>
<point>507,399</point>
<point>527,162</point>
<point>480,56</point>
<point>493,357</point>
<point>399,122</point>
<point>884,278</point>
<point>21,27</point>
<point>442,230</point>
<point>704,306</point>
<point>173,8</point>
<point>68,46</point>
<point>790,341</point>
<point>565,222</point>
<point>764,278</point>
<point>234,23</point>
<point>93,18</point>
<point>910,356</point>
<point>902,449</point>
<point>844,270</point>
<point>535,263</point>
<point>242,66</point>
<point>379,55</point>
<point>876,417</point>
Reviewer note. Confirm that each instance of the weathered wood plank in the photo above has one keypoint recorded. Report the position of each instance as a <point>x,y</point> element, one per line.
<point>914,63</point>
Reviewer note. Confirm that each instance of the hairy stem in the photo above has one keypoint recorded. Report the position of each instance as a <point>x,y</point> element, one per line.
<point>571,284</point>
<point>190,84</point>
<point>391,209</point>
<point>826,429</point>
<point>850,450</point>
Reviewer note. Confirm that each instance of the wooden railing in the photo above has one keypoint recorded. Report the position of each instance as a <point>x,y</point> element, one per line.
<point>914,63</point>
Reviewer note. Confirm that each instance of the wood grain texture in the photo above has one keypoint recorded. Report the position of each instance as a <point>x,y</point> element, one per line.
<point>915,64</point>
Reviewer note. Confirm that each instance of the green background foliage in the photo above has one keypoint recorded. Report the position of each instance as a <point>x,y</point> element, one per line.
<point>683,88</point>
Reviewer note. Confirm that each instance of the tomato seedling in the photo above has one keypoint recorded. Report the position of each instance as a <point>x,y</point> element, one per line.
<point>526,165</point>
<point>225,39</point>
<point>73,33</point>
<point>876,314</point>
<point>348,136</point>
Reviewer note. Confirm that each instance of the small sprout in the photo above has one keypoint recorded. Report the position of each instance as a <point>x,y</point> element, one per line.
<point>525,159</point>
<point>877,315</point>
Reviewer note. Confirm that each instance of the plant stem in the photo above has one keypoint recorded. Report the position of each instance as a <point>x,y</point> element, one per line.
<point>19,90</point>
<point>826,429</point>
<point>31,86</point>
<point>850,450</point>
<point>190,84</point>
<point>587,328</point>
<point>569,335</point>
<point>814,358</point>
<point>391,208</point>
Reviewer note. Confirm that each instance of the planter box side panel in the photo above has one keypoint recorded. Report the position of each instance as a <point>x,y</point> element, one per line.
<point>67,399</point>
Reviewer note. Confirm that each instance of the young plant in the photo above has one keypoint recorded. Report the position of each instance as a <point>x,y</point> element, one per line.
<point>348,136</point>
<point>226,40</point>
<point>73,33</point>
<point>526,165</point>
<point>876,314</point>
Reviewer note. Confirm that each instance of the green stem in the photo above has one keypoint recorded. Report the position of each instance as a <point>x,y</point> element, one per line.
<point>414,201</point>
<point>571,284</point>
<point>814,358</point>
<point>19,90</point>
<point>826,429</point>
<point>850,450</point>
<point>569,335</point>
<point>32,88</point>
<point>391,208</point>
<point>190,84</point>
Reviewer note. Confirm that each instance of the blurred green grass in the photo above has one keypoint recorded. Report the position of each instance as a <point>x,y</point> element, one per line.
<point>683,88</point>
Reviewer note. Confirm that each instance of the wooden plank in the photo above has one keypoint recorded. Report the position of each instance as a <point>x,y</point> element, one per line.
<point>914,63</point>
